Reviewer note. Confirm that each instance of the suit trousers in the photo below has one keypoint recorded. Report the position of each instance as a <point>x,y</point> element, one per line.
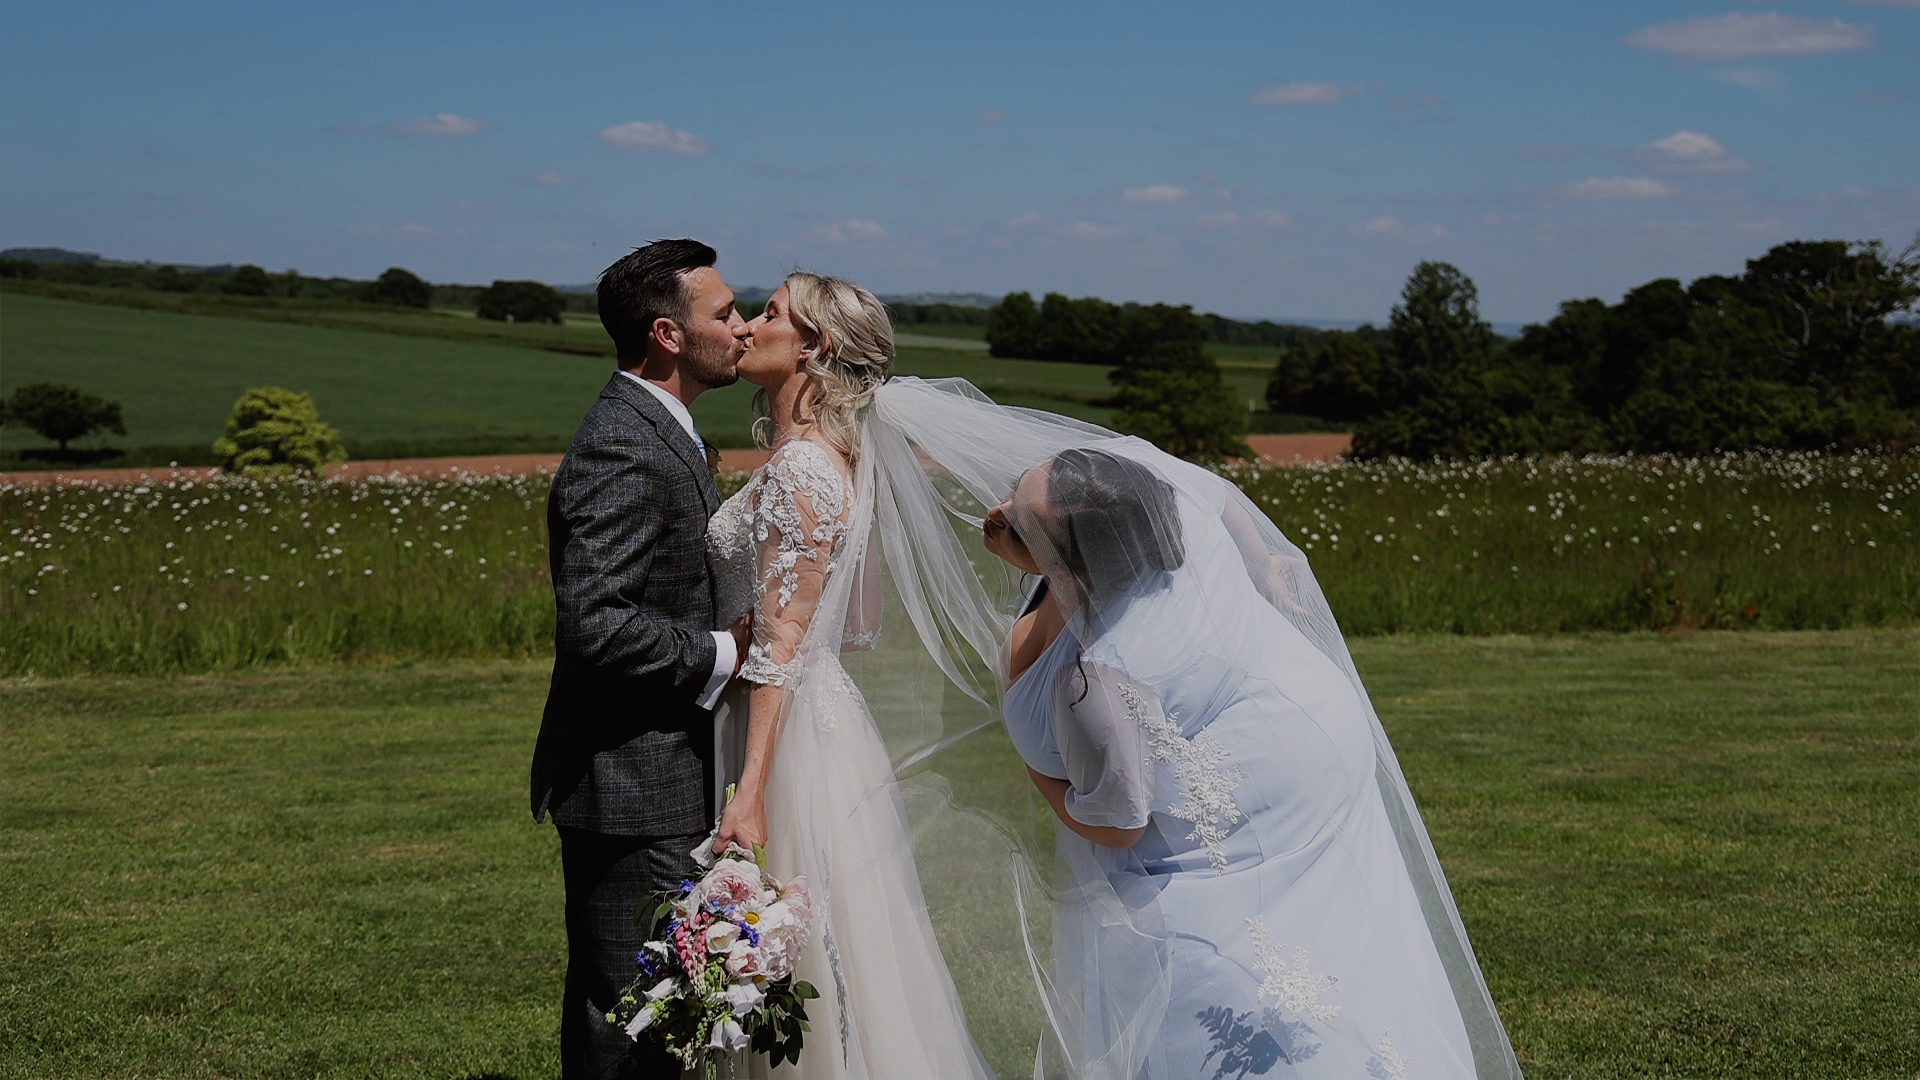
<point>606,879</point>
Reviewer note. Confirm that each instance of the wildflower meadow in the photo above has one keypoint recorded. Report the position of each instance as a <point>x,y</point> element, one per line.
<point>1779,541</point>
<point>176,575</point>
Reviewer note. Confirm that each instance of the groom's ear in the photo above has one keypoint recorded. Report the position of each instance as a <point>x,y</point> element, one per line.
<point>668,335</point>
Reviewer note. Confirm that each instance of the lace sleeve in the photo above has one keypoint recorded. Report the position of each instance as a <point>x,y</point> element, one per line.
<point>799,522</point>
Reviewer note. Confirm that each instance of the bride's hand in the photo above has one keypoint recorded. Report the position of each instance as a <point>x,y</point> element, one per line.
<point>744,822</point>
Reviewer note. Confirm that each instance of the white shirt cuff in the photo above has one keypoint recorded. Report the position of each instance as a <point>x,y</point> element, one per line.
<point>725,653</point>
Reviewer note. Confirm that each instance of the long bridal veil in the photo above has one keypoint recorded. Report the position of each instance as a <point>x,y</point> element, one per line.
<point>928,612</point>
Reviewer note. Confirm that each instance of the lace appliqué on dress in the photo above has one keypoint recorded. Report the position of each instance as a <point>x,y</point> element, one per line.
<point>1207,801</point>
<point>1295,987</point>
<point>759,667</point>
<point>800,467</point>
<point>770,510</point>
<point>1387,1063</point>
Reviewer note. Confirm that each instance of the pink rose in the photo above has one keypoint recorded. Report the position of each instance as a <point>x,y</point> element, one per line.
<point>731,881</point>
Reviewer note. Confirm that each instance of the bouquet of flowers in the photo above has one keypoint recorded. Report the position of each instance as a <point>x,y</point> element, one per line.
<point>716,972</point>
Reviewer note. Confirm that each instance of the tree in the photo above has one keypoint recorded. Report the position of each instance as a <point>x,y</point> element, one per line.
<point>62,413</point>
<point>248,280</point>
<point>1445,389</point>
<point>1340,380</point>
<point>519,301</point>
<point>1169,391</point>
<point>1013,327</point>
<point>1084,331</point>
<point>402,287</point>
<point>273,431</point>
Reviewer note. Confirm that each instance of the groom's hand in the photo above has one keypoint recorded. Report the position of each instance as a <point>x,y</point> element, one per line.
<point>742,631</point>
<point>744,822</point>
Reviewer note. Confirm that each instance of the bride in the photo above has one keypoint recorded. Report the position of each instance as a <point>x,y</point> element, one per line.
<point>816,785</point>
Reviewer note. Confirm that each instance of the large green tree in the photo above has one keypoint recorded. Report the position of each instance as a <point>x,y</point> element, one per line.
<point>1013,327</point>
<point>403,287</point>
<point>520,301</point>
<point>1169,391</point>
<point>61,413</point>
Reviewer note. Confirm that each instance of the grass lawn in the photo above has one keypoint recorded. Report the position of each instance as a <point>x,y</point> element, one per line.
<point>1689,856</point>
<point>177,374</point>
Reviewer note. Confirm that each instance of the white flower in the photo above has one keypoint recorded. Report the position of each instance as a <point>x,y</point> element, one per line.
<point>662,989</point>
<point>721,936</point>
<point>727,1035</point>
<point>743,996</point>
<point>641,1021</point>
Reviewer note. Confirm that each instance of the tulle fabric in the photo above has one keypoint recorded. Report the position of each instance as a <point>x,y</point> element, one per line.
<point>1114,985</point>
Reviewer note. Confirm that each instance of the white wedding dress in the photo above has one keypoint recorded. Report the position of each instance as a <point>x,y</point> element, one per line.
<point>793,544</point>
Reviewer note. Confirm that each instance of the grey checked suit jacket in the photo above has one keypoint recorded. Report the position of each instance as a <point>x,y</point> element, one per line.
<point>623,749</point>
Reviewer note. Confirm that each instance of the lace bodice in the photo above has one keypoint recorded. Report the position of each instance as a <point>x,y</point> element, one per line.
<point>772,547</point>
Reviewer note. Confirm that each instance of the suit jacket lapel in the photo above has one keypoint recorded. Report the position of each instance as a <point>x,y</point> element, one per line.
<point>671,433</point>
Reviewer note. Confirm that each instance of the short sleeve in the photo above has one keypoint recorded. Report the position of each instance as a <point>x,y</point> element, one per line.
<point>1100,721</point>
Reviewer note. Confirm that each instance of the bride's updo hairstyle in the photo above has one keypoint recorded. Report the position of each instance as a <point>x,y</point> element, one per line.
<point>852,355</point>
<point>1111,521</point>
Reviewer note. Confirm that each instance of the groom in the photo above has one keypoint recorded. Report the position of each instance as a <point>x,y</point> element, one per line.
<point>627,737</point>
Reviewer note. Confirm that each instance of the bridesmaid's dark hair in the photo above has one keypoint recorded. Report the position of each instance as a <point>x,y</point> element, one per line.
<point>1114,522</point>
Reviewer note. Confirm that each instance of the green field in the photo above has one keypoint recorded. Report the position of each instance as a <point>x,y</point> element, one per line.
<point>1688,856</point>
<point>177,374</point>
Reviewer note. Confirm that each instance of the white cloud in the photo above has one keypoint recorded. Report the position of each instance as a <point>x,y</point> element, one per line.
<point>1741,35</point>
<point>841,232</point>
<point>1691,152</point>
<point>1389,226</point>
<point>1753,78</point>
<point>992,116</point>
<point>1273,219</point>
<point>1154,193</point>
<point>1616,188</point>
<point>651,135</point>
<point>1094,230</point>
<point>371,228</point>
<point>551,178</point>
<point>1305,93</point>
<point>1880,97</point>
<point>445,123</point>
<point>1032,219</point>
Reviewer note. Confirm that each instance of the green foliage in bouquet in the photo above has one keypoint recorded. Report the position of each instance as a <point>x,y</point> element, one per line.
<point>716,970</point>
<point>275,432</point>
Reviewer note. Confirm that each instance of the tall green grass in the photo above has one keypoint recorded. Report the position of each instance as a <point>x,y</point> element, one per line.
<point>1766,541</point>
<point>192,575</point>
<point>195,575</point>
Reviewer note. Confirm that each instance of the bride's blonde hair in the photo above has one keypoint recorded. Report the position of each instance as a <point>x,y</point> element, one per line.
<point>853,353</point>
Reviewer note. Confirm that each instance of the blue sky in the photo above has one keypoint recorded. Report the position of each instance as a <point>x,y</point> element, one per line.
<point>1252,159</point>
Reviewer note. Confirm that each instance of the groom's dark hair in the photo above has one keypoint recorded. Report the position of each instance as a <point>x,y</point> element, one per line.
<point>648,283</point>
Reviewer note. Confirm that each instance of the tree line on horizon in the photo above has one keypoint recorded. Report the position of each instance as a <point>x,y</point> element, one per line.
<point>1805,350</point>
<point>505,301</point>
<point>516,301</point>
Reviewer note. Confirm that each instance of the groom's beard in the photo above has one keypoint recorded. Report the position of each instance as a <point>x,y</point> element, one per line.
<point>712,365</point>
